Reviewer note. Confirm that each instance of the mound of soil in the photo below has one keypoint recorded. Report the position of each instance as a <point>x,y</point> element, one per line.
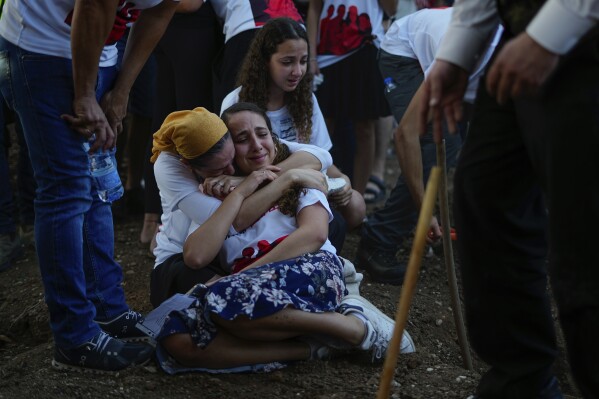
<point>434,371</point>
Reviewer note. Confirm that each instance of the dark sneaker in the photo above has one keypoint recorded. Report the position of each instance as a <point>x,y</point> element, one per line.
<point>11,249</point>
<point>102,353</point>
<point>382,266</point>
<point>124,327</point>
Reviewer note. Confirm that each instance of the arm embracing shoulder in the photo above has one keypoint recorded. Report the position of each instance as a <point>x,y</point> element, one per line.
<point>312,230</point>
<point>205,242</point>
<point>306,156</point>
<point>310,235</point>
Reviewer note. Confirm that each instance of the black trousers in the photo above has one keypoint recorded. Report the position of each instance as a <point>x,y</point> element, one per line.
<point>527,186</point>
<point>227,65</point>
<point>173,276</point>
<point>184,58</point>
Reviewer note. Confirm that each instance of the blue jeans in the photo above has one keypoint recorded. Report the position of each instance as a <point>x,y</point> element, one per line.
<point>73,228</point>
<point>25,182</point>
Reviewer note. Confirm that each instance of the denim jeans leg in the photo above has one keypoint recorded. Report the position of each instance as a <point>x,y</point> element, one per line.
<point>75,258</point>
<point>104,275</point>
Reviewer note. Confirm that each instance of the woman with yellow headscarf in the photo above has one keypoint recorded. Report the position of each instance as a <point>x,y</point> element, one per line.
<point>191,146</point>
<point>285,299</point>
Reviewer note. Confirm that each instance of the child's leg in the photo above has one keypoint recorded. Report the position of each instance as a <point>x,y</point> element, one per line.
<point>290,322</point>
<point>364,157</point>
<point>227,351</point>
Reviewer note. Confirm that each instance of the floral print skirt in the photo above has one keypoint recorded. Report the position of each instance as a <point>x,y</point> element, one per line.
<point>312,282</point>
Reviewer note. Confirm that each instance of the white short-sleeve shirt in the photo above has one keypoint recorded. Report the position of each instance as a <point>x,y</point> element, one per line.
<point>44,26</point>
<point>282,122</point>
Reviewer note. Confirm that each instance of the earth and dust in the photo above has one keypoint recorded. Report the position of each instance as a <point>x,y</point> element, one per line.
<point>435,371</point>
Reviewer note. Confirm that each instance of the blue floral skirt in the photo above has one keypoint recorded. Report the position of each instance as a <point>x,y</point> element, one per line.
<point>312,282</point>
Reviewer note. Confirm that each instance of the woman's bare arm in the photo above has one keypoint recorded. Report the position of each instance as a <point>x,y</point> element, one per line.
<point>311,233</point>
<point>205,242</point>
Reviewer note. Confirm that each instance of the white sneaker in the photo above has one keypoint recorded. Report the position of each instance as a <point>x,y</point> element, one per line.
<point>351,277</point>
<point>407,344</point>
<point>379,327</point>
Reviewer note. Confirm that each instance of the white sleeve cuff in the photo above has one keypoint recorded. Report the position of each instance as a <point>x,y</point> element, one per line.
<point>462,46</point>
<point>558,28</point>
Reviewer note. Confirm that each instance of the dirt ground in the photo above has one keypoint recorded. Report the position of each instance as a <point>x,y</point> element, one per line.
<point>434,371</point>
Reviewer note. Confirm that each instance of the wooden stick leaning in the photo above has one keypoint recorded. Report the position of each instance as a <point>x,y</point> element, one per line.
<point>456,305</point>
<point>407,289</point>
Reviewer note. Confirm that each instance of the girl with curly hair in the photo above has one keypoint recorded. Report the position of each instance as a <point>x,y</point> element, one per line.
<point>275,76</point>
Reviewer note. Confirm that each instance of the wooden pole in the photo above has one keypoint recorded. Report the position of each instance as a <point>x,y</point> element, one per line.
<point>456,304</point>
<point>407,290</point>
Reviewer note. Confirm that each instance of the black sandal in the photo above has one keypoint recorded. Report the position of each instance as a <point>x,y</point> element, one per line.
<point>376,191</point>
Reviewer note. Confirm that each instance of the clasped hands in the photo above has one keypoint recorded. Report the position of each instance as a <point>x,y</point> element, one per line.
<point>104,120</point>
<point>221,186</point>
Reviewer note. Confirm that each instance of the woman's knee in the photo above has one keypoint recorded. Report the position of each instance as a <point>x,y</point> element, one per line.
<point>182,348</point>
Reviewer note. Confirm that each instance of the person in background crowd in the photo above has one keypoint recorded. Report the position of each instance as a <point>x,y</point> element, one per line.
<point>344,39</point>
<point>275,76</point>
<point>407,53</point>
<point>241,20</point>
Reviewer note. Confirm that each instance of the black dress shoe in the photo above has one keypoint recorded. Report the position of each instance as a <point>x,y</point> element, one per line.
<point>381,266</point>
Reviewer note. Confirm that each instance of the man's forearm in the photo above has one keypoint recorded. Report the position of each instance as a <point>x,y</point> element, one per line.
<point>91,25</point>
<point>408,150</point>
<point>312,20</point>
<point>144,35</point>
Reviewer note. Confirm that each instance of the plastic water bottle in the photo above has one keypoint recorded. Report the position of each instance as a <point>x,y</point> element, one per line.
<point>389,85</point>
<point>102,167</point>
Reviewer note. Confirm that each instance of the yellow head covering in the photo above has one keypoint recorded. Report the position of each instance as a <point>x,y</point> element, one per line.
<point>188,133</point>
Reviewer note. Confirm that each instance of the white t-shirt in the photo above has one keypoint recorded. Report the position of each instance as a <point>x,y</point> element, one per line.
<point>419,35</point>
<point>241,15</point>
<point>344,27</point>
<point>241,248</point>
<point>183,203</point>
<point>282,123</point>
<point>44,26</point>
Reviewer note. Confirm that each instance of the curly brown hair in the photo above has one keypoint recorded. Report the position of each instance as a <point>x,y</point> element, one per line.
<point>290,199</point>
<point>254,77</point>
